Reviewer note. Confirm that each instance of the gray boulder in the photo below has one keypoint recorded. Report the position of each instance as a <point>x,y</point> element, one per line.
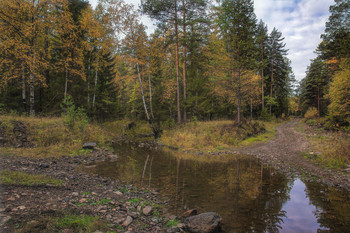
<point>203,223</point>
<point>89,145</point>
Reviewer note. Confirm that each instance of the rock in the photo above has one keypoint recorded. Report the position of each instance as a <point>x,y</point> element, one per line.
<point>97,232</point>
<point>147,210</point>
<point>203,223</point>
<point>89,145</point>
<point>127,221</point>
<point>75,194</point>
<point>22,207</point>
<point>118,193</point>
<point>189,213</point>
<point>44,165</point>
<point>138,208</point>
<point>67,231</point>
<point>83,200</point>
<point>4,219</point>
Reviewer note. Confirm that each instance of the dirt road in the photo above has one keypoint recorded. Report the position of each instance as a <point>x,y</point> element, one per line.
<point>284,154</point>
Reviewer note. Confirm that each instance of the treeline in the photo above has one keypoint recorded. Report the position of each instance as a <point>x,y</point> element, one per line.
<point>202,62</point>
<point>326,88</point>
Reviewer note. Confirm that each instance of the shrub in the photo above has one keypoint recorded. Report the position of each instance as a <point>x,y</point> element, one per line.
<point>311,113</point>
<point>264,115</point>
<point>74,117</point>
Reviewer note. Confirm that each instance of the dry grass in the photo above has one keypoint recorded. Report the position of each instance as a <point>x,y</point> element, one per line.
<point>329,149</point>
<point>51,137</point>
<point>213,136</point>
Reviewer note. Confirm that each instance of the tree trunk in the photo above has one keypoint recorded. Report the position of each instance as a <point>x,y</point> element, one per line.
<point>262,76</point>
<point>88,81</point>
<point>142,94</point>
<point>150,95</point>
<point>318,101</point>
<point>24,98</point>
<point>95,89</point>
<point>271,86</point>
<point>66,86</point>
<point>184,60</point>
<point>251,109</point>
<point>239,98</point>
<point>177,68</point>
<point>31,95</point>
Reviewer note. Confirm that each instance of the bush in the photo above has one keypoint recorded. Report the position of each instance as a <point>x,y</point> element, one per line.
<point>264,115</point>
<point>74,117</point>
<point>311,113</point>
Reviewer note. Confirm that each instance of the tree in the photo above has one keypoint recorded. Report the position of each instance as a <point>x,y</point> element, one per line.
<point>339,93</point>
<point>165,12</point>
<point>336,37</point>
<point>277,52</point>
<point>22,29</point>
<point>237,22</point>
<point>262,54</point>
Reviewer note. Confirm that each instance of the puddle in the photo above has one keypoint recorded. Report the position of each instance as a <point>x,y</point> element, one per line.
<point>249,196</point>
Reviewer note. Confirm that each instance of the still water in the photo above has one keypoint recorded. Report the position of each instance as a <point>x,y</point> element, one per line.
<point>249,197</point>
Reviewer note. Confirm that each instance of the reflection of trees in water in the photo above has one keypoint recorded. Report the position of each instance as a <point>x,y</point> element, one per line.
<point>248,196</point>
<point>332,206</point>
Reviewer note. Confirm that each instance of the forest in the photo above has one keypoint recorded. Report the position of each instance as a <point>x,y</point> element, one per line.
<point>204,61</point>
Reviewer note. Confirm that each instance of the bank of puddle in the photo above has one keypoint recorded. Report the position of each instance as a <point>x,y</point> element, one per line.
<point>249,196</point>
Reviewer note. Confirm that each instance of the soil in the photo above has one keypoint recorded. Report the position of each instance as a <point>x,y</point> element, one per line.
<point>80,194</point>
<point>285,154</point>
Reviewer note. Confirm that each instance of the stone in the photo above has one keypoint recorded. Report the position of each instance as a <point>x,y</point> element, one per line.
<point>89,145</point>
<point>75,194</point>
<point>44,165</point>
<point>147,210</point>
<point>189,213</point>
<point>67,231</point>
<point>97,232</point>
<point>203,223</point>
<point>118,193</point>
<point>83,200</point>
<point>22,207</point>
<point>4,220</point>
<point>138,208</point>
<point>127,221</point>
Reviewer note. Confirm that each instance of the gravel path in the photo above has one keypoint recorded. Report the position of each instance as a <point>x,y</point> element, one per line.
<point>284,154</point>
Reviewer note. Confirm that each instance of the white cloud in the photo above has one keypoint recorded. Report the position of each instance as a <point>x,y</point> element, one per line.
<point>301,23</point>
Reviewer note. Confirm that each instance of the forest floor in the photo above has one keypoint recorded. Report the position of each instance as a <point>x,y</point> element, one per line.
<point>285,153</point>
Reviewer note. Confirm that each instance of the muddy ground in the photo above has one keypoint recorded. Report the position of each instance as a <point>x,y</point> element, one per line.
<point>285,154</point>
<point>80,194</point>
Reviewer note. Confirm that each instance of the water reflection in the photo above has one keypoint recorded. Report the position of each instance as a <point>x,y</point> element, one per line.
<point>249,196</point>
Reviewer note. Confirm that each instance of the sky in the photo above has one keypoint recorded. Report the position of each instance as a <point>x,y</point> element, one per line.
<point>300,21</point>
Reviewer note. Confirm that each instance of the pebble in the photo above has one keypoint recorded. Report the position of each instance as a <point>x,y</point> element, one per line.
<point>147,210</point>
<point>127,221</point>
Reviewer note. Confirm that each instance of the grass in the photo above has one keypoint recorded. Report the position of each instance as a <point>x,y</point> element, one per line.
<point>172,223</point>
<point>78,223</point>
<point>21,178</point>
<point>60,221</point>
<point>214,136</point>
<point>52,138</point>
<point>329,149</point>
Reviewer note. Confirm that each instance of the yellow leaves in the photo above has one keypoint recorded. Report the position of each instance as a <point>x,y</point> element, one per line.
<point>339,92</point>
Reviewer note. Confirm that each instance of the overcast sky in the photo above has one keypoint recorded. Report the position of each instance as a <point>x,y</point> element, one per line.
<point>300,21</point>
